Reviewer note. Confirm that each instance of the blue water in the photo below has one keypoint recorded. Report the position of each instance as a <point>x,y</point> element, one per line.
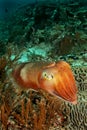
<point>9,6</point>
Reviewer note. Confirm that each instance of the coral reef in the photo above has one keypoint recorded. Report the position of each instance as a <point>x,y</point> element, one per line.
<point>47,32</point>
<point>31,110</point>
<point>81,77</point>
<point>78,113</point>
<point>49,23</point>
<point>27,109</point>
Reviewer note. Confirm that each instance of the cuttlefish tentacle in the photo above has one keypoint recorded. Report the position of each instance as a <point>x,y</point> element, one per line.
<point>55,78</point>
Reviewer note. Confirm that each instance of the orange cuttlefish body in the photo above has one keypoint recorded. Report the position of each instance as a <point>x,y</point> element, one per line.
<point>55,78</point>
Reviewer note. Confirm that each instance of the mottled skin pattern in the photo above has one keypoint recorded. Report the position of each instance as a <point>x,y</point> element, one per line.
<point>55,78</point>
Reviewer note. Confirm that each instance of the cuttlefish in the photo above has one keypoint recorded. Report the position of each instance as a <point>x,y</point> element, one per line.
<point>56,78</point>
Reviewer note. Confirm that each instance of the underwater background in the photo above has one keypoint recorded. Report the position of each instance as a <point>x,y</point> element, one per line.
<point>42,30</point>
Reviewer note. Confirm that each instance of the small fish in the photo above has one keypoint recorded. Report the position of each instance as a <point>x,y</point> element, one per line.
<point>55,78</point>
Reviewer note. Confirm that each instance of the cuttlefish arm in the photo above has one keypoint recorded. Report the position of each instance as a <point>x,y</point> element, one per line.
<point>55,78</point>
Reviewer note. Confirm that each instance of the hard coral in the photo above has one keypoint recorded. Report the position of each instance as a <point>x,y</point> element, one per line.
<point>81,77</point>
<point>78,116</point>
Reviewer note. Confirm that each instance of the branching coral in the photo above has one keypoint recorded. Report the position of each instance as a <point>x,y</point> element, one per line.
<point>34,112</point>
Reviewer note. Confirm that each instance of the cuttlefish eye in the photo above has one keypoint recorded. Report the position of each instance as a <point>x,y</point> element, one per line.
<point>47,76</point>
